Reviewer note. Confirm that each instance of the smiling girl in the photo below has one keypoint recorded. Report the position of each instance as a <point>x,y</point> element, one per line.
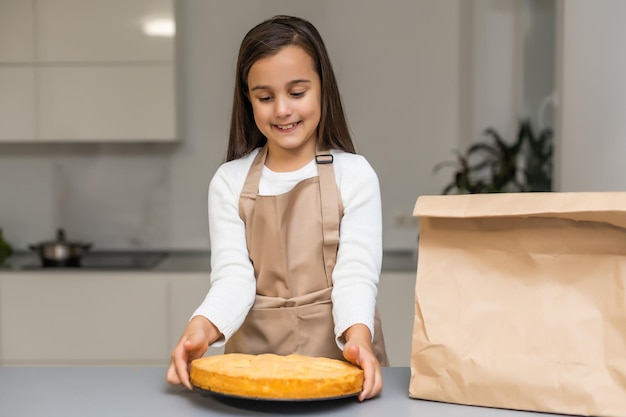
<point>294,217</point>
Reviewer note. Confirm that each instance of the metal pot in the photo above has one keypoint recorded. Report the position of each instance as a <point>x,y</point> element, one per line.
<point>60,252</point>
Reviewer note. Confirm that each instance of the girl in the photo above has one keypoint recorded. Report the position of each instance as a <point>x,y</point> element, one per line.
<point>294,217</point>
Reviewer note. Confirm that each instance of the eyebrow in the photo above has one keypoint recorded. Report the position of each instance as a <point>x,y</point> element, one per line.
<point>290,83</point>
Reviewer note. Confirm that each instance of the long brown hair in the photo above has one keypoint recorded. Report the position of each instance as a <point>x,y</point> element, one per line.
<point>265,40</point>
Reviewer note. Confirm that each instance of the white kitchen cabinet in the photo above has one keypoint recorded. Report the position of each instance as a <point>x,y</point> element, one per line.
<point>396,305</point>
<point>96,318</point>
<point>17,102</point>
<point>110,103</point>
<point>96,75</point>
<point>83,318</point>
<point>103,31</point>
<point>16,31</point>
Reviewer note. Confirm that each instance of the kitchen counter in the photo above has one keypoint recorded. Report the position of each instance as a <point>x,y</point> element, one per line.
<point>185,261</point>
<point>112,391</point>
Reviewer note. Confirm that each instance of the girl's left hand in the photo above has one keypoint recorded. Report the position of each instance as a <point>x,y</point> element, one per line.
<point>358,350</point>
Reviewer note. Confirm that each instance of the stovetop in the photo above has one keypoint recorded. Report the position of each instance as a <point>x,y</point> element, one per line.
<point>108,261</point>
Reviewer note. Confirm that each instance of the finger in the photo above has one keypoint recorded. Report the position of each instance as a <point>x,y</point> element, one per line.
<point>171,376</point>
<point>372,376</point>
<point>369,377</point>
<point>352,354</point>
<point>378,382</point>
<point>194,347</point>
<point>181,365</point>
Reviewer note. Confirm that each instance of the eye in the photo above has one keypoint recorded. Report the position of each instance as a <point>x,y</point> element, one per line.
<point>297,94</point>
<point>264,99</point>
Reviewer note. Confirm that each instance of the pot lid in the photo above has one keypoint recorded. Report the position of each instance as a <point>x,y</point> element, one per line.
<point>61,240</point>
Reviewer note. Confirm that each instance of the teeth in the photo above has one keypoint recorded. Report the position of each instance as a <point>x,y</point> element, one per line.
<point>285,127</point>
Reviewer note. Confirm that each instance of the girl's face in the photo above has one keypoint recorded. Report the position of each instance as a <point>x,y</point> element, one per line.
<point>285,93</point>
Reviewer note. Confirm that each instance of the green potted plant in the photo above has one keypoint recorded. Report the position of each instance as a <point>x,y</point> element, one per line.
<point>5,249</point>
<point>498,166</point>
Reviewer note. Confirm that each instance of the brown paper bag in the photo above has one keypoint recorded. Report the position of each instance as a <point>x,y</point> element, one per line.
<point>520,302</point>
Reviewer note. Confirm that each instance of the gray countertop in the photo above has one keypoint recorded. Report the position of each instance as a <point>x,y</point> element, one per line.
<point>185,261</point>
<point>135,392</point>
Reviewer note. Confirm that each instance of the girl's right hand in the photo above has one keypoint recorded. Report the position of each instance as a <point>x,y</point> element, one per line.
<point>193,343</point>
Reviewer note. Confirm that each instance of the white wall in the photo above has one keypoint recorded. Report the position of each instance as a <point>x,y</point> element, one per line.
<point>538,27</point>
<point>495,56</point>
<point>419,78</point>
<point>592,84</point>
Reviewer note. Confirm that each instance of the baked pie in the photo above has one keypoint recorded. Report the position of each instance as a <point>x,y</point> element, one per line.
<point>276,377</point>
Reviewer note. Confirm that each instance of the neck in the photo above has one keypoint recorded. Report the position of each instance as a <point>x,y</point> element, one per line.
<point>286,160</point>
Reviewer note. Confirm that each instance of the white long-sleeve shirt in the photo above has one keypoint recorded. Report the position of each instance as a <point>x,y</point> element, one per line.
<point>359,256</point>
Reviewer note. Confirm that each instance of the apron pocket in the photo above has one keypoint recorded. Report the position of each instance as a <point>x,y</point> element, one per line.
<point>304,329</point>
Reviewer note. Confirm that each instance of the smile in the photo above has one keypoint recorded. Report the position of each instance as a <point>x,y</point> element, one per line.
<point>286,127</point>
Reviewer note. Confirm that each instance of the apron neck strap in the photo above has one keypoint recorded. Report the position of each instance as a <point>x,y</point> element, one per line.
<point>329,198</point>
<point>251,186</point>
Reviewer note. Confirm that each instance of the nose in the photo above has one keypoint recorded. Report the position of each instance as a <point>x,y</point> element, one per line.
<point>282,107</point>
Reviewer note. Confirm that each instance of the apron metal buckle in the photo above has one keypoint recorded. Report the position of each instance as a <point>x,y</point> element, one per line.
<point>324,158</point>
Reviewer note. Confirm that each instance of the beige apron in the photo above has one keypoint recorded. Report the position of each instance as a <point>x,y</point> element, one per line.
<point>292,240</point>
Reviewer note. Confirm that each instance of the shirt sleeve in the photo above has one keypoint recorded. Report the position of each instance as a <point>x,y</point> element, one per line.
<point>359,257</point>
<point>233,286</point>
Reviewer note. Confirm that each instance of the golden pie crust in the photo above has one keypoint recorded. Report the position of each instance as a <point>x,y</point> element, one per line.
<point>275,377</point>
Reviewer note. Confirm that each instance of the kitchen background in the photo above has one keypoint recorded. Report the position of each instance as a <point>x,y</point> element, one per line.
<point>419,78</point>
